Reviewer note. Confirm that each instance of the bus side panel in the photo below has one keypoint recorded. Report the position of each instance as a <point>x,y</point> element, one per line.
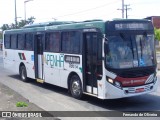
<point>9,60</point>
<point>57,70</point>
<point>13,59</point>
<point>27,58</point>
<point>53,62</point>
<point>30,64</point>
<point>72,63</point>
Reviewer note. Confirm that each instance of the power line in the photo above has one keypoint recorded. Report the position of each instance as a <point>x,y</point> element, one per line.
<point>112,12</point>
<point>144,3</point>
<point>104,5</point>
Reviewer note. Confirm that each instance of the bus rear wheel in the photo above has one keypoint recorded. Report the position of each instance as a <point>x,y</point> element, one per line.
<point>76,87</point>
<point>23,73</point>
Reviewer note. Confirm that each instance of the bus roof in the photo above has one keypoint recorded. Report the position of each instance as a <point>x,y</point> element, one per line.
<point>63,25</point>
<point>60,25</point>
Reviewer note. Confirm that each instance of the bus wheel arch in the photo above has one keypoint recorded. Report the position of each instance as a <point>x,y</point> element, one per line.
<point>75,85</point>
<point>23,72</point>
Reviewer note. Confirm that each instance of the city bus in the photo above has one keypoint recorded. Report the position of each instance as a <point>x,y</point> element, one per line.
<point>106,59</point>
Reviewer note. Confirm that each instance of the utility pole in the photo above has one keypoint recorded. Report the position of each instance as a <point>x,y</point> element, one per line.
<point>126,8</point>
<point>122,8</point>
<point>25,8</point>
<point>15,14</point>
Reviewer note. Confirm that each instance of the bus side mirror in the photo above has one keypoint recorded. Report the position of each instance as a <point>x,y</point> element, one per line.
<point>105,43</point>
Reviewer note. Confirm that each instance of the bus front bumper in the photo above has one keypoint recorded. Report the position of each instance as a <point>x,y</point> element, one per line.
<point>113,92</point>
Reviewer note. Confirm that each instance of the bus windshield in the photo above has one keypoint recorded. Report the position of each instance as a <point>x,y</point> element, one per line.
<point>130,50</point>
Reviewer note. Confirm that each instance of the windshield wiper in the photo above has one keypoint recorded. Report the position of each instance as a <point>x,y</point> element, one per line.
<point>141,47</point>
<point>132,46</point>
<point>122,36</point>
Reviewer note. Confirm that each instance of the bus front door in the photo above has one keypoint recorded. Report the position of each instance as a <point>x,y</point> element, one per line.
<point>38,57</point>
<point>91,44</point>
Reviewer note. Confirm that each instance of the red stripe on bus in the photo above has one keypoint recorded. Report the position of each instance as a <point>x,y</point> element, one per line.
<point>128,82</point>
<point>24,58</point>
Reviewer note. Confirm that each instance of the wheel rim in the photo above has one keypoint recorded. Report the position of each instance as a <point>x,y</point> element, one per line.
<point>76,87</point>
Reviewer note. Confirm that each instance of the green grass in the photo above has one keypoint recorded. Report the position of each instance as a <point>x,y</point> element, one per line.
<point>21,104</point>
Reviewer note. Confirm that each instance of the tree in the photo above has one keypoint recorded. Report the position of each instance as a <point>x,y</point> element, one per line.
<point>19,24</point>
<point>30,20</point>
<point>157,34</point>
<point>1,35</point>
<point>5,27</point>
<point>12,26</point>
<point>25,22</point>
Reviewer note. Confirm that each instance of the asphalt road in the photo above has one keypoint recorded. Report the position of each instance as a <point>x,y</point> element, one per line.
<point>53,98</point>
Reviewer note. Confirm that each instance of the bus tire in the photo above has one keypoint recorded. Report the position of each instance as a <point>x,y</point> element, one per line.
<point>23,73</point>
<point>76,87</point>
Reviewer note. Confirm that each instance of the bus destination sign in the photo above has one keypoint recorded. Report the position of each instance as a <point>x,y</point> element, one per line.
<point>131,26</point>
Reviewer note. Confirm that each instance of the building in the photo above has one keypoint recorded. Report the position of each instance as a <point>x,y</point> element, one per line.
<point>155,20</point>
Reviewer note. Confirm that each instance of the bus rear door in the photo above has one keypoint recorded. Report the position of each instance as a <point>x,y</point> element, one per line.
<point>38,56</point>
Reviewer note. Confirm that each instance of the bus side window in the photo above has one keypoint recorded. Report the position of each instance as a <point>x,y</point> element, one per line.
<point>56,38</point>
<point>47,43</point>
<point>7,41</point>
<point>52,41</point>
<point>29,41</point>
<point>66,42</point>
<point>75,42</point>
<point>21,41</point>
<point>13,41</point>
<point>71,42</point>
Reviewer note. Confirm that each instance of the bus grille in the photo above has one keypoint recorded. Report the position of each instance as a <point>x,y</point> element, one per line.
<point>136,73</point>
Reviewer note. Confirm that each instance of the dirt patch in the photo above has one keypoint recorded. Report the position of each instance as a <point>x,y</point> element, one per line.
<point>8,100</point>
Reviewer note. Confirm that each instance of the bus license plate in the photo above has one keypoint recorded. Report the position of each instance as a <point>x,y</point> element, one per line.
<point>139,90</point>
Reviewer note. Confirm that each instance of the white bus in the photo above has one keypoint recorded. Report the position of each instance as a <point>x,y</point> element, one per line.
<point>105,59</point>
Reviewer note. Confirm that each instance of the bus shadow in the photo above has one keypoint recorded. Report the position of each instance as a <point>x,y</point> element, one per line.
<point>47,86</point>
<point>148,102</point>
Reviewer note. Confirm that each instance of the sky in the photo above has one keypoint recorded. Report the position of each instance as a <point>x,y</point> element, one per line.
<point>76,10</point>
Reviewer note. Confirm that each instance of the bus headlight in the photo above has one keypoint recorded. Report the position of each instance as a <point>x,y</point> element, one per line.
<point>110,80</point>
<point>115,83</point>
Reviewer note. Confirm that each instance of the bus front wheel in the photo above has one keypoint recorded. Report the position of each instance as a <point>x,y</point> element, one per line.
<point>23,73</point>
<point>76,87</point>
